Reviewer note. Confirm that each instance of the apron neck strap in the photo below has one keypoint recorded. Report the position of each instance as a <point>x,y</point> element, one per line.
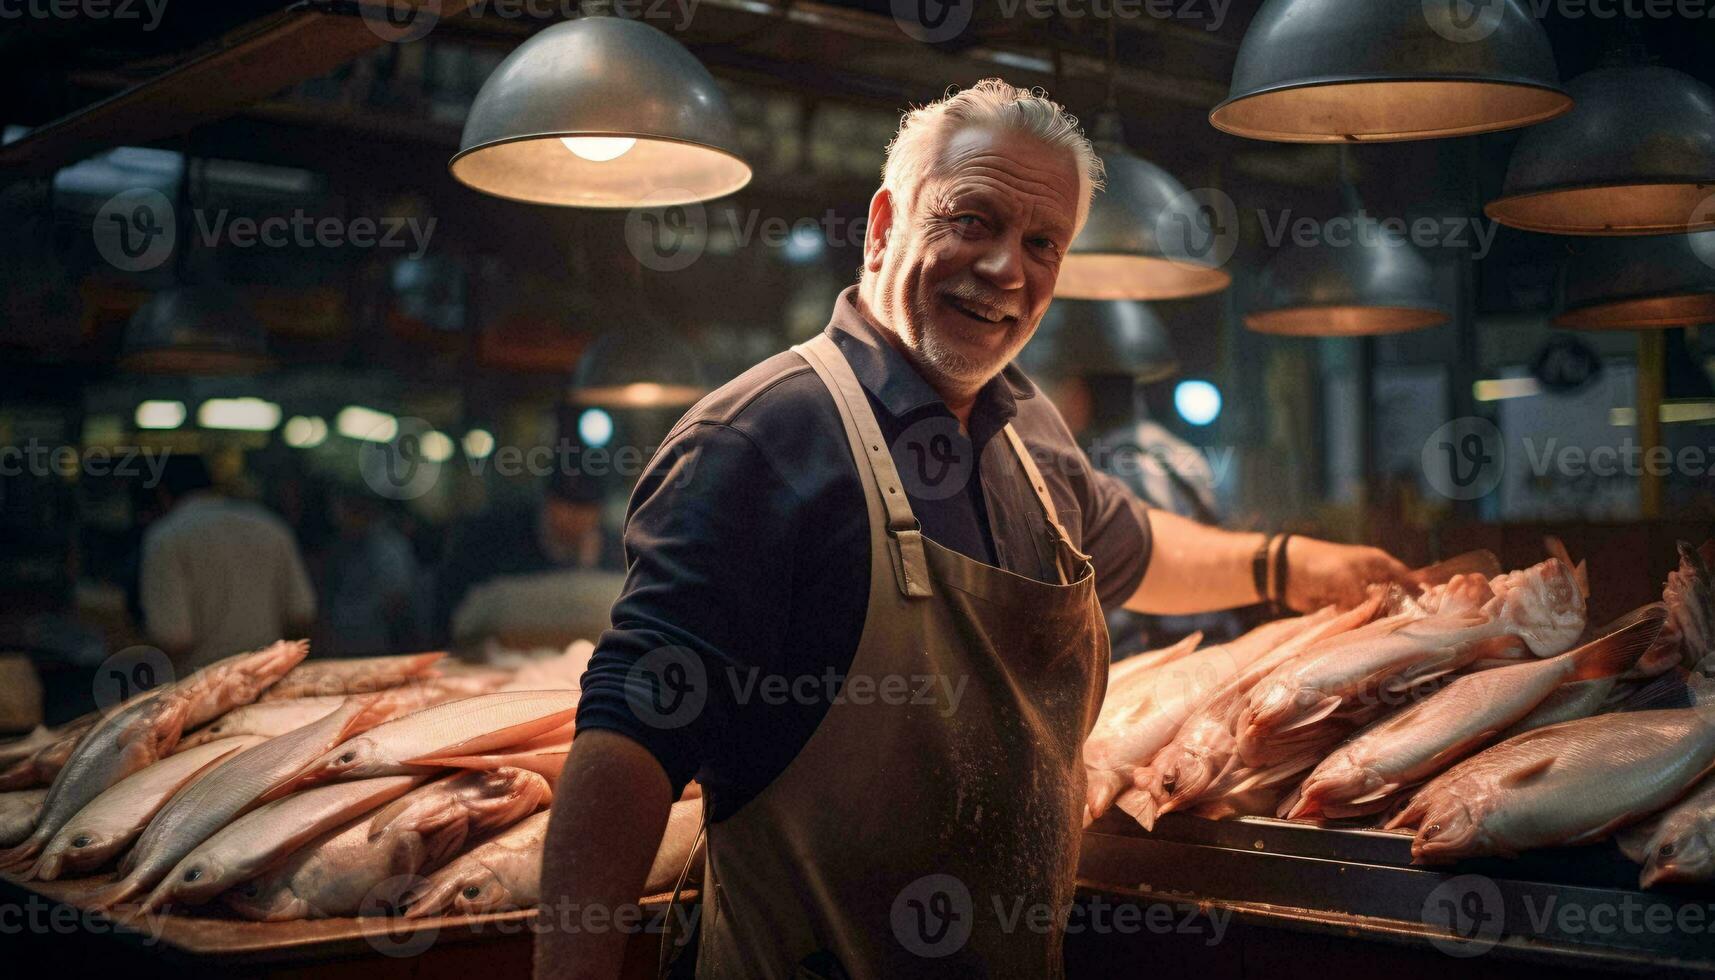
<point>904,533</point>
<point>1069,558</point>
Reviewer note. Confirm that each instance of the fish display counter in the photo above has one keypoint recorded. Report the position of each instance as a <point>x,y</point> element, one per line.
<point>1573,910</point>
<point>1467,769</point>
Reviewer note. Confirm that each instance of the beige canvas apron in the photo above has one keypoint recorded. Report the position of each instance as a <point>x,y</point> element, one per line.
<point>930,825</point>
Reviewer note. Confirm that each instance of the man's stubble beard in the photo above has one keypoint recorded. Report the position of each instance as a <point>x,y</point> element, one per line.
<point>945,365</point>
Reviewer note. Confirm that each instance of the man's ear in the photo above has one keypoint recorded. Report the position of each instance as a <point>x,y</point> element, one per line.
<point>880,226</point>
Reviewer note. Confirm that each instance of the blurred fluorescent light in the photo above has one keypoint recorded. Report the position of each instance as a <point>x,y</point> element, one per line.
<point>160,415</point>
<point>1497,389</point>
<point>436,446</point>
<point>305,432</point>
<point>244,414</point>
<point>1688,412</point>
<point>357,422</point>
<point>1670,413</point>
<point>478,443</point>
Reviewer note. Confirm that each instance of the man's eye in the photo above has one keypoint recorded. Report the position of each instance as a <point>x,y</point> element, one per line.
<point>967,220</point>
<point>1047,245</point>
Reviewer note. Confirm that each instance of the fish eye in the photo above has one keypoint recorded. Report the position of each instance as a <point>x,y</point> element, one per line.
<point>1666,850</point>
<point>348,757</point>
<point>193,874</point>
<point>471,891</point>
<point>81,840</point>
<point>251,890</point>
<point>1430,831</point>
<point>1169,782</point>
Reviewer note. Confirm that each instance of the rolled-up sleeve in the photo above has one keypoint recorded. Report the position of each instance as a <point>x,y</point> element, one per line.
<point>1116,535</point>
<point>710,541</point>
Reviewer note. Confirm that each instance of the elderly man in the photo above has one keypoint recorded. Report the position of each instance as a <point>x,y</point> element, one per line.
<point>864,605</point>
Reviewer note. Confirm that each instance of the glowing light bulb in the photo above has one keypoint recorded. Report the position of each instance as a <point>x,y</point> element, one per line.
<point>1198,402</point>
<point>599,149</point>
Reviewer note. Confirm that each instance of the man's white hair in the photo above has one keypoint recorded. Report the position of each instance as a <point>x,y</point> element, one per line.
<point>916,148</point>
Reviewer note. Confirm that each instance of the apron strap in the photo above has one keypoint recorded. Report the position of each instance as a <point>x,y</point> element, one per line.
<point>1070,559</point>
<point>904,533</point>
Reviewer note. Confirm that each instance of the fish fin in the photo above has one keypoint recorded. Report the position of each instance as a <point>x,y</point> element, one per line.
<point>1670,690</point>
<point>1625,642</point>
<point>1295,806</point>
<point>1104,786</point>
<point>1535,770</point>
<point>120,891</point>
<point>1267,776</point>
<point>1498,648</point>
<point>1376,796</point>
<point>1480,562</point>
<point>1634,841</point>
<point>368,710</point>
<point>386,815</point>
<point>1140,805</point>
<point>506,738</point>
<point>1323,709</point>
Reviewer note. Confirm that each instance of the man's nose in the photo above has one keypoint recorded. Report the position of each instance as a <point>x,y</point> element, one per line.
<point>1002,264</point>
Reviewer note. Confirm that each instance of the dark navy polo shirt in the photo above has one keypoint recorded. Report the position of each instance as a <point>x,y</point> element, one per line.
<point>747,550</point>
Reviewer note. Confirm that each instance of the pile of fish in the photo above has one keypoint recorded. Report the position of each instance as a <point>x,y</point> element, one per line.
<point>1476,710</point>
<point>286,788</point>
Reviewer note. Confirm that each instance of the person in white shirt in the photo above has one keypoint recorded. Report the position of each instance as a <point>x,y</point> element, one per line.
<point>219,576</point>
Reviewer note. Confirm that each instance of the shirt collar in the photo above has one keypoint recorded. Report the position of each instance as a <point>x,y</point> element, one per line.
<point>894,382</point>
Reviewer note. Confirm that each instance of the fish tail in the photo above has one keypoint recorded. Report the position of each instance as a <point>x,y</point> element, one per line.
<point>1626,641</point>
<point>1141,805</point>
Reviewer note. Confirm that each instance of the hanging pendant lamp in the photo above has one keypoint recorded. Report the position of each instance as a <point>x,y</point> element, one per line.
<point>204,329</point>
<point>1089,337</point>
<point>1374,284</point>
<point>1121,253</point>
<point>1325,71</point>
<point>1639,283</point>
<point>601,112</point>
<point>1636,157</point>
<point>637,365</point>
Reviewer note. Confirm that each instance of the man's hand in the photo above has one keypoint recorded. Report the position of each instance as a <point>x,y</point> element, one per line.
<point>1321,573</point>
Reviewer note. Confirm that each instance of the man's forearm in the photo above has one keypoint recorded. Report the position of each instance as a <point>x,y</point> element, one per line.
<point>1195,568</point>
<point>610,809</point>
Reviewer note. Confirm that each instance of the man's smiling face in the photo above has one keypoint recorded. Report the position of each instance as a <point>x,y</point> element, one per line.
<point>966,269</point>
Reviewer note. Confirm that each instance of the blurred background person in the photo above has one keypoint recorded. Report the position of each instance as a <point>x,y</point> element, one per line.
<point>371,582</point>
<point>543,573</point>
<point>218,575</point>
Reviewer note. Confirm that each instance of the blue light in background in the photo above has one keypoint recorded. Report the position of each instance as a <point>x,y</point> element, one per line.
<point>1198,402</point>
<point>595,428</point>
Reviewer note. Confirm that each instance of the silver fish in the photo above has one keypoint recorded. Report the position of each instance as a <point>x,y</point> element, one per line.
<point>235,787</point>
<point>503,873</point>
<point>1571,783</point>
<point>272,718</point>
<point>468,726</point>
<point>1541,607</point>
<point>269,834</point>
<point>365,866</point>
<point>18,810</point>
<point>357,675</point>
<point>1420,741</point>
<point>1679,843</point>
<point>111,821</point>
<point>1133,727</point>
<point>1202,749</point>
<point>146,729</point>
